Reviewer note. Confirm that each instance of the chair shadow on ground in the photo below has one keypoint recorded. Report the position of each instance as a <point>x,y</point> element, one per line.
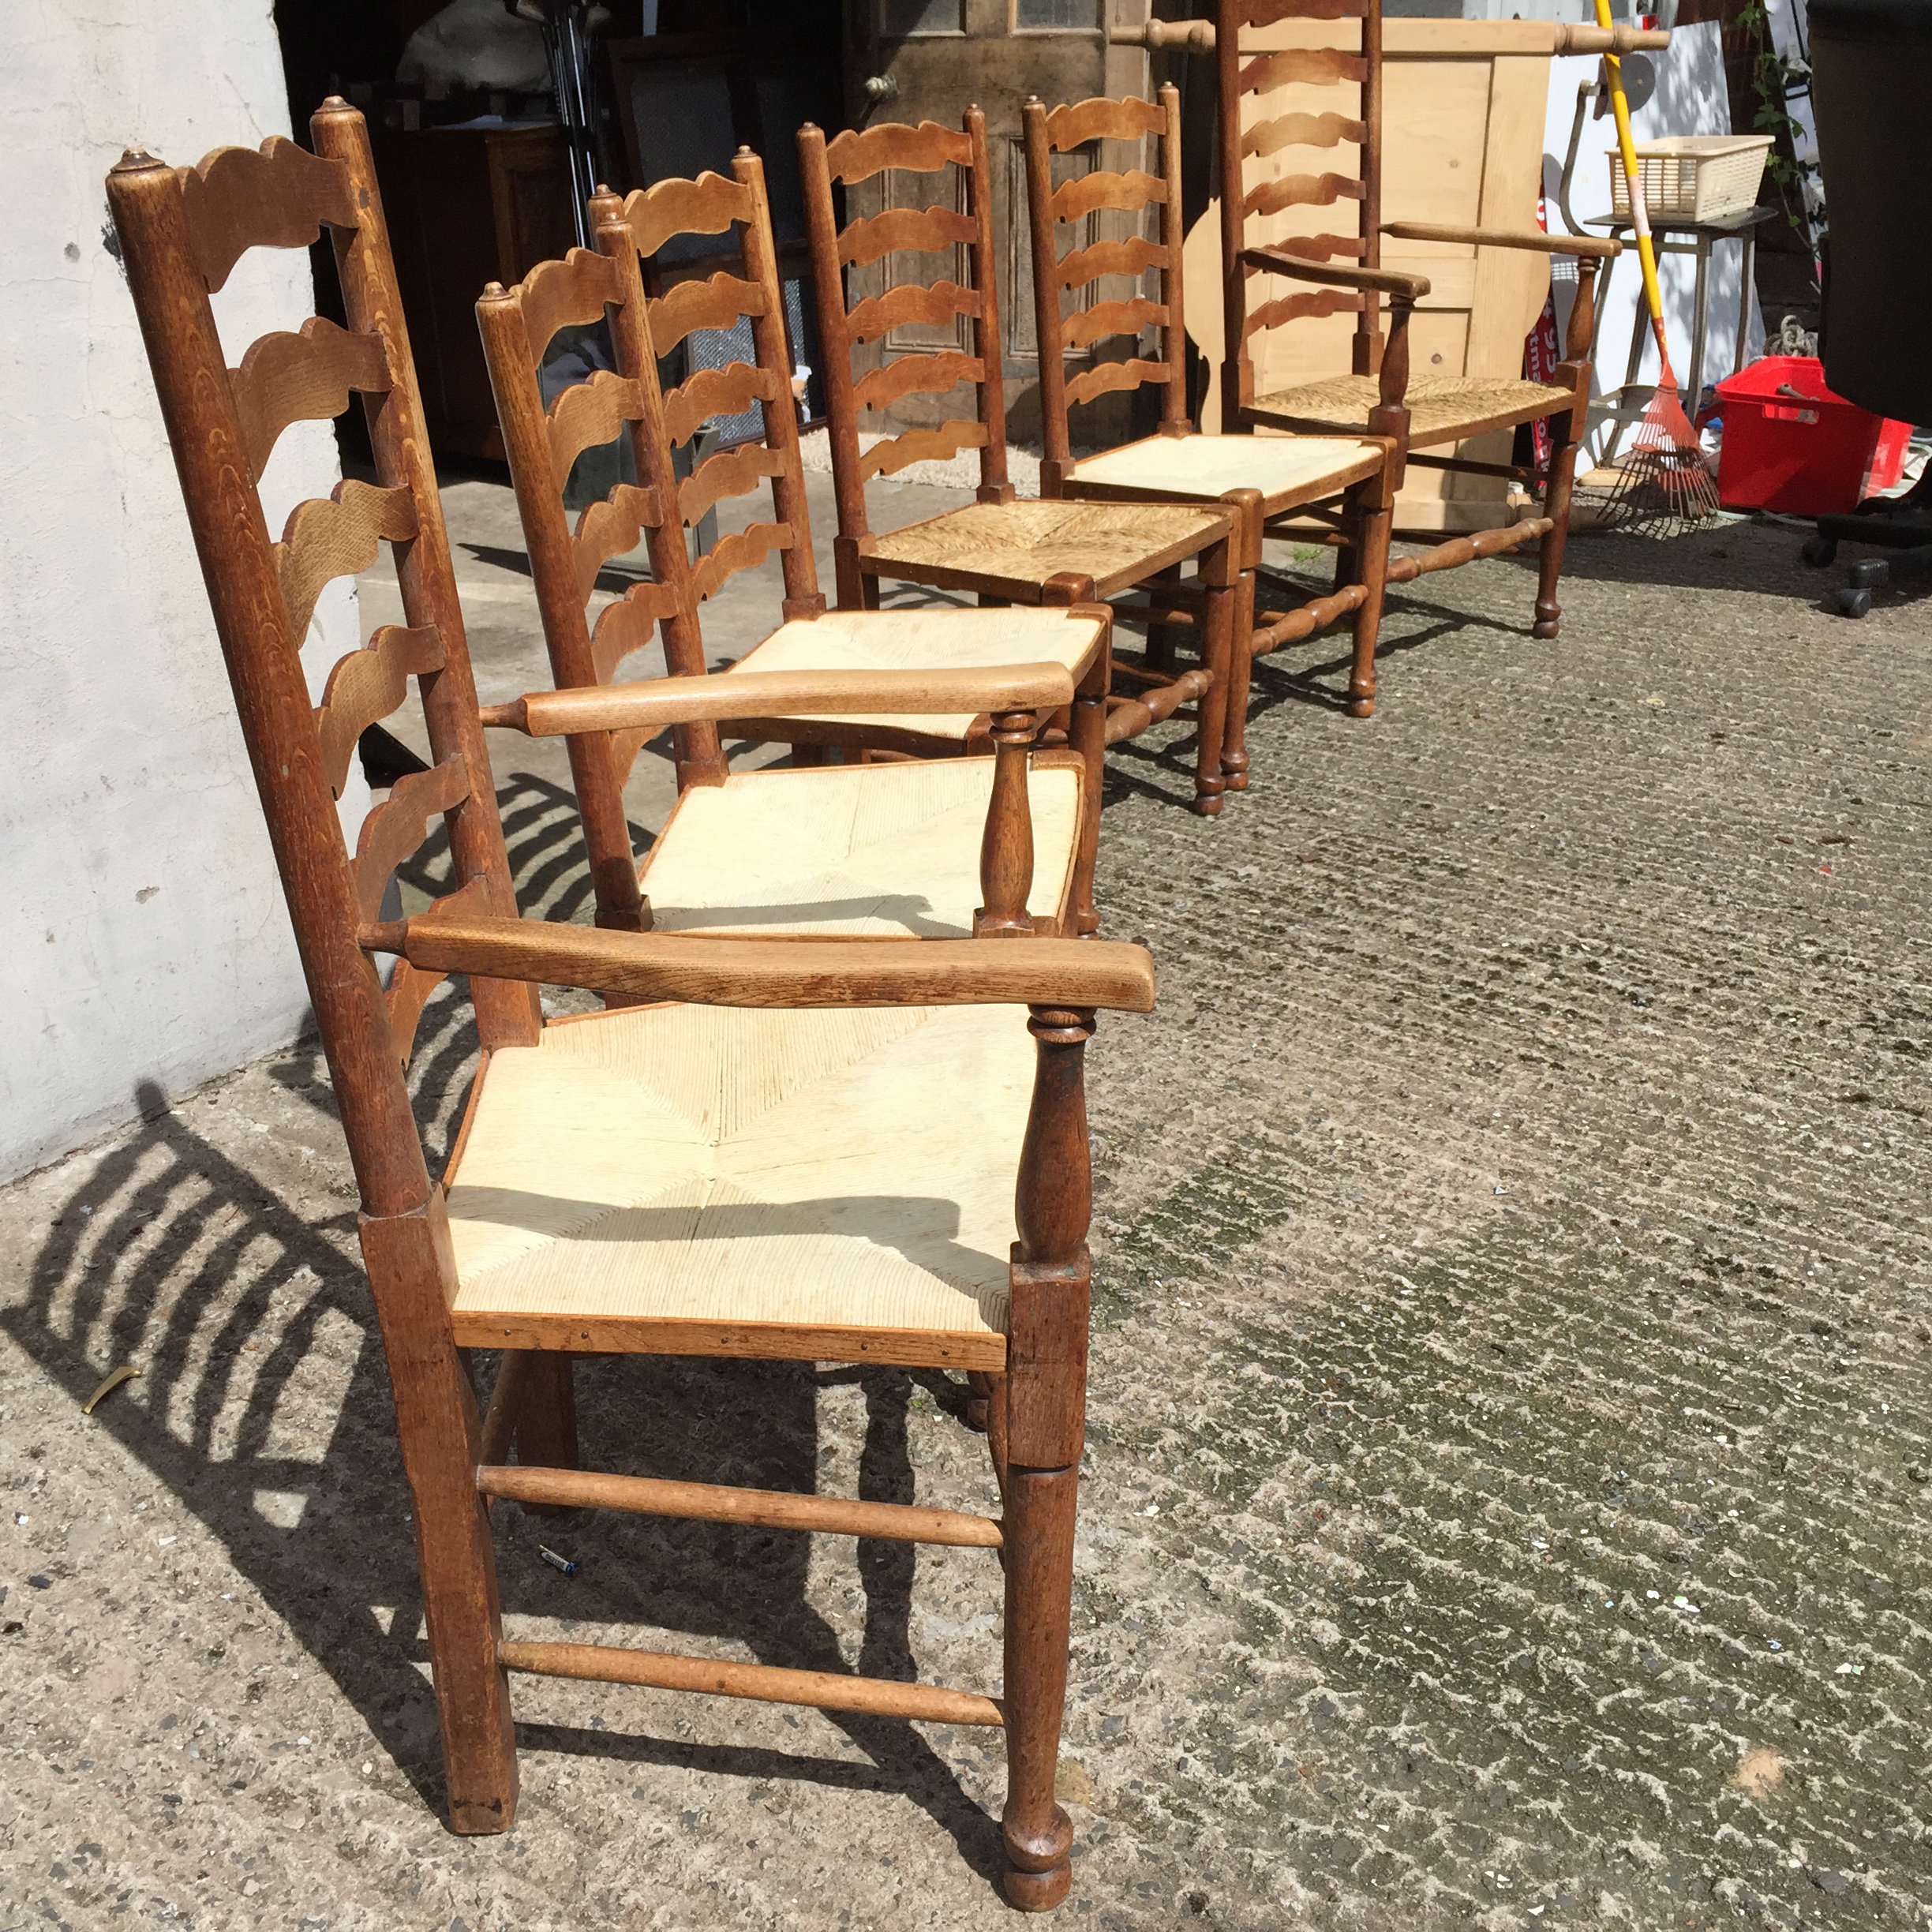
<point>170,1253</point>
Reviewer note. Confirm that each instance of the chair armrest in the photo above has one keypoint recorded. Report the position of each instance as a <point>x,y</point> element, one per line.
<point>1374,280</point>
<point>655,702</point>
<point>1596,245</point>
<point>780,972</point>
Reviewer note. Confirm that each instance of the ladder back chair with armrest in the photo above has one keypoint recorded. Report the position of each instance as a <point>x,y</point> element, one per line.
<point>908,846</point>
<point>749,1167</point>
<point>1004,551</point>
<point>1339,481</point>
<point>1423,413</point>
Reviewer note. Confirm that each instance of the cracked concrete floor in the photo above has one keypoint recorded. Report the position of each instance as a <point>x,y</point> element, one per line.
<point>1507,1504</point>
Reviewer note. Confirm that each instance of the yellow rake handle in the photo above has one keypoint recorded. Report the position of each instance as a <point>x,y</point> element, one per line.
<point>1654,295</point>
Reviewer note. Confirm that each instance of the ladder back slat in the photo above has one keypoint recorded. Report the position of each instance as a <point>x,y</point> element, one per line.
<point>398,827</point>
<point>1301,191</point>
<point>588,415</point>
<point>1266,12</point>
<point>1305,66</point>
<point>628,625</point>
<point>1317,248</point>
<point>1080,121</point>
<point>858,154</point>
<point>905,231</point>
<point>276,195</point>
<point>707,205</point>
<point>728,392</point>
<point>1301,130</point>
<point>1133,256</point>
<point>1111,375</point>
<point>1074,200</point>
<point>916,375</point>
<point>610,527</point>
<point>1114,318</point>
<point>336,536</point>
<point>563,294</point>
<point>307,377</point>
<point>715,304</point>
<point>899,308</point>
<point>921,446</point>
<point>1291,308</point>
<point>409,986</point>
<point>368,685</point>
<point>743,550</point>
<point>731,472</point>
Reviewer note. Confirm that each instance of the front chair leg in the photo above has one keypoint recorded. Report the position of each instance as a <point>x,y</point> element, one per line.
<point>1241,669</point>
<point>1373,528</point>
<point>1038,1835</point>
<point>1045,1411</point>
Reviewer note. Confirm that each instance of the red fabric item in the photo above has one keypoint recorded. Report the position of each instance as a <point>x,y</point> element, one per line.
<point>1540,356</point>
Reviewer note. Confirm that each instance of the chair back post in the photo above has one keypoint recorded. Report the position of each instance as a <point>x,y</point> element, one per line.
<point>507,1012</point>
<point>1368,344</point>
<point>1236,364</point>
<point>803,597</point>
<point>700,749</point>
<point>513,361</point>
<point>835,345</point>
<point>993,486</point>
<point>1056,462</point>
<point>147,198</point>
<point>1175,420</point>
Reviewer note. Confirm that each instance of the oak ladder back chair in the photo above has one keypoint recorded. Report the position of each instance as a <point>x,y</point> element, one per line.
<point>1339,480</point>
<point>1379,394</point>
<point>1004,551</point>
<point>548,1234</point>
<point>916,846</point>
<point>675,210</point>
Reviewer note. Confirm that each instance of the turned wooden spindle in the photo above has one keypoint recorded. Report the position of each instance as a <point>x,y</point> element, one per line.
<point>1582,327</point>
<point>1006,849</point>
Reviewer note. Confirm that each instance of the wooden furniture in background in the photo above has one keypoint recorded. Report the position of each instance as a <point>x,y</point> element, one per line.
<point>467,206</point>
<point>1339,481</point>
<point>1319,100</point>
<point>1002,551</point>
<point>548,1234</point>
<point>919,847</point>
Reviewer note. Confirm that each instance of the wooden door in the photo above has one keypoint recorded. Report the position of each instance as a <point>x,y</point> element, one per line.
<point>930,60</point>
<point>1463,114</point>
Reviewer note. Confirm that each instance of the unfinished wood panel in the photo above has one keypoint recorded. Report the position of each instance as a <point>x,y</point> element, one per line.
<point>1462,146</point>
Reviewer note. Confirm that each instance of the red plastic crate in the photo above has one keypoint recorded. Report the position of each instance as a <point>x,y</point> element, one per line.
<point>1810,453</point>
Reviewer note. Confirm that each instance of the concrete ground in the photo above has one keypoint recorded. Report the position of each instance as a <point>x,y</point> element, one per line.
<point>1507,1497</point>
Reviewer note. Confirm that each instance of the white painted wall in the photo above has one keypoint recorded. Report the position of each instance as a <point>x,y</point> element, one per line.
<point>141,922</point>
<point>1690,99</point>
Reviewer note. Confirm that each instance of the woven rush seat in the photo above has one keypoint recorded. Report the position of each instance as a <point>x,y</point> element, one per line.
<point>913,640</point>
<point>868,851</point>
<point>1010,544</point>
<point>1301,467</point>
<point>842,1169</point>
<point>1442,409</point>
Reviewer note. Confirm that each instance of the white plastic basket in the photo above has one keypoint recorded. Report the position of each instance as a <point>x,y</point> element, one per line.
<point>1695,177</point>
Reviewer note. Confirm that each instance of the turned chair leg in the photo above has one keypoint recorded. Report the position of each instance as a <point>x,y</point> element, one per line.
<point>1374,527</point>
<point>1241,669</point>
<point>1556,507</point>
<point>1211,709</point>
<point>1038,1430</point>
<point>1038,1517</point>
